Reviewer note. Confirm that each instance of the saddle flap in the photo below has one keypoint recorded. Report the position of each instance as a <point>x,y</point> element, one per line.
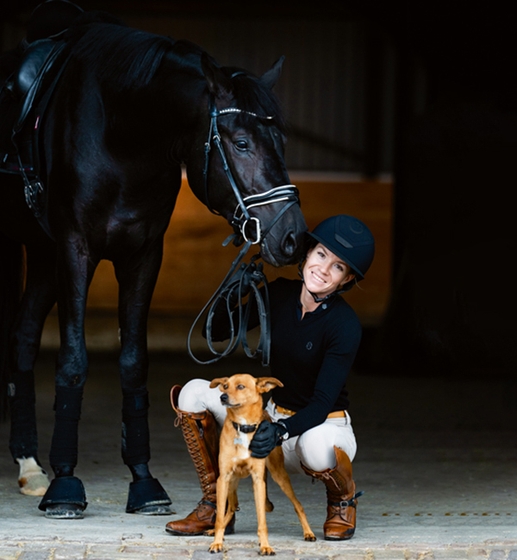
<point>32,62</point>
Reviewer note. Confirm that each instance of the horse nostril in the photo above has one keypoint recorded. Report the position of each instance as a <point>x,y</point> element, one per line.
<point>289,244</point>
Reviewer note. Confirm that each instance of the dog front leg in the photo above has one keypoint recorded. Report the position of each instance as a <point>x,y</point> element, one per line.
<point>222,496</point>
<point>233,503</point>
<point>269,504</point>
<point>259,490</point>
<point>276,466</point>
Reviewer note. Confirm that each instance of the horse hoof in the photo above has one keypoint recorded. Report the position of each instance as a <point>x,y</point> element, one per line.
<point>147,497</point>
<point>155,510</point>
<point>64,499</point>
<point>64,511</point>
<point>34,484</point>
<point>32,480</point>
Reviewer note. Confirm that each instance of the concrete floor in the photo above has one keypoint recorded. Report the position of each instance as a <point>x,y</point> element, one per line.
<point>436,460</point>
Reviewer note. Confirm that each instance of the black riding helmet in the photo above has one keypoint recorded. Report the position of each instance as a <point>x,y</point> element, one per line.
<point>349,239</point>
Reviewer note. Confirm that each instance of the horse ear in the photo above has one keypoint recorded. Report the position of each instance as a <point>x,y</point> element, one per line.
<point>270,78</point>
<point>218,82</point>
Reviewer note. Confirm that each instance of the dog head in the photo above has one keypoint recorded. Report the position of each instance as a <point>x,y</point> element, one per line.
<point>243,389</point>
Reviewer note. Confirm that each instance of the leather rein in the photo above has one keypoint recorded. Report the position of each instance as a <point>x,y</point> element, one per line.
<point>231,287</point>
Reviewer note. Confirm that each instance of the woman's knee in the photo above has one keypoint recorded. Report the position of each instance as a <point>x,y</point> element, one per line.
<point>315,448</point>
<point>192,397</point>
<point>196,396</point>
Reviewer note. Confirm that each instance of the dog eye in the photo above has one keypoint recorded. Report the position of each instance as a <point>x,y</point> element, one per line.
<point>225,386</point>
<point>241,387</point>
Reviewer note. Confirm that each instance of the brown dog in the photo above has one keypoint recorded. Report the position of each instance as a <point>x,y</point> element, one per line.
<point>242,397</point>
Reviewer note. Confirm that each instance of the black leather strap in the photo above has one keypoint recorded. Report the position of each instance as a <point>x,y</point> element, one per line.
<point>348,503</point>
<point>245,428</point>
<point>229,291</point>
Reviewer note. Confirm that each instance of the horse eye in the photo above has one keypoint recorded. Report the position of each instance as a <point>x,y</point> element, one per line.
<point>241,145</point>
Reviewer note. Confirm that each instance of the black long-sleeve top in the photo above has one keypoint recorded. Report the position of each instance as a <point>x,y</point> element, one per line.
<point>312,356</point>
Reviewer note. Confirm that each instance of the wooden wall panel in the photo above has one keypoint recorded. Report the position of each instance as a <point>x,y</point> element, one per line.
<point>195,262</point>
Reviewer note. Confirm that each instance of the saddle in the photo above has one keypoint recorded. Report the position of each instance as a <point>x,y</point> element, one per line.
<point>23,100</point>
<point>35,67</point>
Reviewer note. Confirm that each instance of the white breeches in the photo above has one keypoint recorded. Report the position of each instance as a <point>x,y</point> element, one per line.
<point>314,448</point>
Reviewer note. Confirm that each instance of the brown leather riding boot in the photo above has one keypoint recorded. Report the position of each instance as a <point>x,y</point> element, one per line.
<point>341,498</point>
<point>202,439</point>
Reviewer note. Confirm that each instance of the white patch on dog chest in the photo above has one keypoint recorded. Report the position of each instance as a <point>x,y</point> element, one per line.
<point>241,440</point>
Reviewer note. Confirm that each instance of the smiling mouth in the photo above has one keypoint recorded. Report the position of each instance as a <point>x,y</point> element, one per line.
<point>318,279</point>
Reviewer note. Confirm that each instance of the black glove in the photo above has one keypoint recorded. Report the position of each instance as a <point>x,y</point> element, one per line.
<point>245,276</point>
<point>266,438</point>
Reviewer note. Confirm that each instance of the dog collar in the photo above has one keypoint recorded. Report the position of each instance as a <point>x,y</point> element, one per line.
<point>245,428</point>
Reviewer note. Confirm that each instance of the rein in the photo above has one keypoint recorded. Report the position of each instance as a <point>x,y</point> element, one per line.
<point>230,288</point>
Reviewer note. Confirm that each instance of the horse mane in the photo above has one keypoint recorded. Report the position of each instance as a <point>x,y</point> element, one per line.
<point>121,55</point>
<point>251,94</point>
<point>128,58</point>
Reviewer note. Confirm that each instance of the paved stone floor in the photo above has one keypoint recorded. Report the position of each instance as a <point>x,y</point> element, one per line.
<point>437,462</point>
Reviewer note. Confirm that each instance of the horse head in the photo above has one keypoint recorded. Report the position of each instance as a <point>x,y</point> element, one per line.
<point>244,176</point>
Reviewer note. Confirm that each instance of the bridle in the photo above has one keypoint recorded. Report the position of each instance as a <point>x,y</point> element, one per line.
<point>250,231</point>
<point>246,228</point>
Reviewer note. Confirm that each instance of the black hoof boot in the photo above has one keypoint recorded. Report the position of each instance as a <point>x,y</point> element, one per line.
<point>64,499</point>
<point>148,497</point>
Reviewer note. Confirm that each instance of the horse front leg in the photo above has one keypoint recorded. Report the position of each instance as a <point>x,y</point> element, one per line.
<point>65,497</point>
<point>137,278</point>
<point>38,299</point>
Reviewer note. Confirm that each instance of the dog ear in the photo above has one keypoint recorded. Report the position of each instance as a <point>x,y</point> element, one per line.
<point>218,381</point>
<point>265,384</point>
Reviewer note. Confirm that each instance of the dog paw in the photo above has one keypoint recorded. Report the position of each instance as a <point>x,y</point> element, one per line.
<point>266,551</point>
<point>209,532</point>
<point>309,537</point>
<point>215,547</point>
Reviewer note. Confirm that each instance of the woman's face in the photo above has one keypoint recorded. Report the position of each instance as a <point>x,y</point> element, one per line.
<point>324,272</point>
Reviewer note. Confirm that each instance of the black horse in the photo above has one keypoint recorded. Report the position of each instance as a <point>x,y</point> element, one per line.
<point>117,111</point>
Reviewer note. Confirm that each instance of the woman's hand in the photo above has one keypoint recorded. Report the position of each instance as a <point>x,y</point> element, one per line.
<point>266,438</point>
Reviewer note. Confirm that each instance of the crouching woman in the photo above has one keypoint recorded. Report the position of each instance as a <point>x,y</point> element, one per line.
<point>315,335</point>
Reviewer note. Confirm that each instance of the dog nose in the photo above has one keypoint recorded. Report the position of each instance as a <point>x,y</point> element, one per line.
<point>224,398</point>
